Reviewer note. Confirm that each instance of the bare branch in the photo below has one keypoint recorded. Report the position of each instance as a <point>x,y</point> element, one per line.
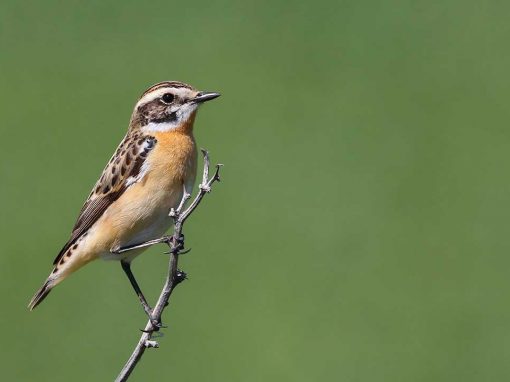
<point>174,276</point>
<point>185,198</point>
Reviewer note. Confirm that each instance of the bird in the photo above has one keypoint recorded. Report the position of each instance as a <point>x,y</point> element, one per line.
<point>153,166</point>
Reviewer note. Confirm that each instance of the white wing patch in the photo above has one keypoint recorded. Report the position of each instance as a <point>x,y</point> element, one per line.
<point>135,179</point>
<point>145,166</point>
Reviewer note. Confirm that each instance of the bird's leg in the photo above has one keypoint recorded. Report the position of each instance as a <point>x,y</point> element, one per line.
<point>126,266</point>
<point>164,239</point>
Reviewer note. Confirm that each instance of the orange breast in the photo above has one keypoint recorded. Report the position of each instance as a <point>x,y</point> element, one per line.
<point>174,157</point>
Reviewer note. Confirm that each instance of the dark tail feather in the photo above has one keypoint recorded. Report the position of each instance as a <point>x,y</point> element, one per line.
<point>40,295</point>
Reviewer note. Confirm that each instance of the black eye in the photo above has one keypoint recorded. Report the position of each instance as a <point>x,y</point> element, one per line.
<point>168,98</point>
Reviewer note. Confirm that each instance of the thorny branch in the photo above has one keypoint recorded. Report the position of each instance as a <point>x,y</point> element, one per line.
<point>174,276</point>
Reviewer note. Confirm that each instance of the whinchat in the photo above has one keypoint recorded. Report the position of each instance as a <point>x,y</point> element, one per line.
<point>145,178</point>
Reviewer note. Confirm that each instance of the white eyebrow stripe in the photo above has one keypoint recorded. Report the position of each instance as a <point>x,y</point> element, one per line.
<point>179,92</point>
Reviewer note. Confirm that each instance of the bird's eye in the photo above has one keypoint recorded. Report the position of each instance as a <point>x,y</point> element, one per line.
<point>167,98</point>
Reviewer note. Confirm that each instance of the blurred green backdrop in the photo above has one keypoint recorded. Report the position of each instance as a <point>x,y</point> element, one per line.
<point>361,229</point>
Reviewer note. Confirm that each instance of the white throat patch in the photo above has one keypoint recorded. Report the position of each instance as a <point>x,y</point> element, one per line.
<point>161,126</point>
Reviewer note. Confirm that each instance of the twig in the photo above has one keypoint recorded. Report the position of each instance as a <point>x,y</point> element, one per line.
<point>174,276</point>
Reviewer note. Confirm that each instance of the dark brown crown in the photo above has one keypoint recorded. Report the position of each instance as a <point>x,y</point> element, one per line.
<point>173,84</point>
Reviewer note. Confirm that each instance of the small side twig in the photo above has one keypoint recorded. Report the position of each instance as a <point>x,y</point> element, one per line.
<point>174,276</point>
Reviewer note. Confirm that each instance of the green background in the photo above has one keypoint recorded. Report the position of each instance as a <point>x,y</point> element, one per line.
<point>361,229</point>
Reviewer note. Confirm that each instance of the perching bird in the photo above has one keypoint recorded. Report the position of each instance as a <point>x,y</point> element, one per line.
<point>146,177</point>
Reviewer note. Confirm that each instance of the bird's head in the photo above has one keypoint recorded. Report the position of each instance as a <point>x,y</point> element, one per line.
<point>167,106</point>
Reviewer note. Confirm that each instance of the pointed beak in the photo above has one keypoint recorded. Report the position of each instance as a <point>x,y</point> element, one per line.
<point>205,96</point>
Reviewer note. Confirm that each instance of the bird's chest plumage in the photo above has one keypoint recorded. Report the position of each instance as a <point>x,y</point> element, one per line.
<point>174,159</point>
<point>142,214</point>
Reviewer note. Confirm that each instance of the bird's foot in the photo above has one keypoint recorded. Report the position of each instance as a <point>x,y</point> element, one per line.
<point>180,276</point>
<point>180,240</point>
<point>177,247</point>
<point>156,325</point>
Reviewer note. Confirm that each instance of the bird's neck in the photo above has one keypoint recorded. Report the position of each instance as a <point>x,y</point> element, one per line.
<point>185,127</point>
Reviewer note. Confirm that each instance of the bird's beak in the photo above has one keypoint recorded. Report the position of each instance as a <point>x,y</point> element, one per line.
<point>205,96</point>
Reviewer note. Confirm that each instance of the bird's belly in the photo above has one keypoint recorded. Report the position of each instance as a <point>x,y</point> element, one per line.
<point>142,215</point>
<point>153,230</point>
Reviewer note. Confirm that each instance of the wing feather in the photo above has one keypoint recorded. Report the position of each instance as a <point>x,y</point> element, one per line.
<point>123,170</point>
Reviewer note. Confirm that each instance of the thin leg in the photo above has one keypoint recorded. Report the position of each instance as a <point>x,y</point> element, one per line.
<point>127,269</point>
<point>164,239</point>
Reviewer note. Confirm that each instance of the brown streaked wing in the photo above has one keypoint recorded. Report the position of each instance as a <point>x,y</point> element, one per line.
<point>122,170</point>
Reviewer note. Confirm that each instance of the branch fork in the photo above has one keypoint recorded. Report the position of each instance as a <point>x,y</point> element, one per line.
<point>174,276</point>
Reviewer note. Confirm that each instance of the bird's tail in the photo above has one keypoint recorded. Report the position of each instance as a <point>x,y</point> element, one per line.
<point>41,294</point>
